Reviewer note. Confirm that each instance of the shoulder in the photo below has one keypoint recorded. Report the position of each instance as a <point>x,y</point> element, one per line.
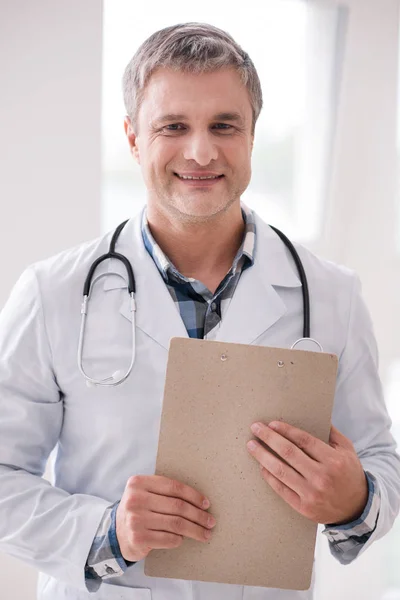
<point>323,272</point>
<point>68,269</point>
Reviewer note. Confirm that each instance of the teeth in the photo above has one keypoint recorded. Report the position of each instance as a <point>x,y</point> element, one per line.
<point>208,177</point>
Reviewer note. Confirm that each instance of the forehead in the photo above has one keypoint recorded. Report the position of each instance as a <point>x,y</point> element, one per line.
<point>187,95</point>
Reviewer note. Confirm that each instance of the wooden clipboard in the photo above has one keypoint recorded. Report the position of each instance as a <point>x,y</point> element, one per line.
<point>213,392</point>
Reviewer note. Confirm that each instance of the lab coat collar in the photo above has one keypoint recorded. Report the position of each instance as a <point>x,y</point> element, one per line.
<point>255,306</point>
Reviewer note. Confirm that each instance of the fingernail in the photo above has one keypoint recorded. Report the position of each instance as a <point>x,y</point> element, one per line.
<point>252,445</point>
<point>207,534</point>
<point>206,503</point>
<point>256,428</point>
<point>211,522</point>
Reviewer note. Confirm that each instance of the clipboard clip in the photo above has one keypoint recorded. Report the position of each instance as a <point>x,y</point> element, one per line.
<point>307,344</point>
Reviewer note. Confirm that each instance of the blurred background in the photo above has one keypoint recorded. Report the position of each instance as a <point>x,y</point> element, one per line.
<point>325,163</point>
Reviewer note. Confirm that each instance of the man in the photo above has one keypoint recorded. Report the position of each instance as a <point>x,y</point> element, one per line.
<point>205,266</point>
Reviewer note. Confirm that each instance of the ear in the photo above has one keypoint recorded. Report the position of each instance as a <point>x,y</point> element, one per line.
<point>132,139</point>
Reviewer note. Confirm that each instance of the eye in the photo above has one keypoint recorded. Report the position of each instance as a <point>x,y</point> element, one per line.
<point>225,126</point>
<point>173,125</point>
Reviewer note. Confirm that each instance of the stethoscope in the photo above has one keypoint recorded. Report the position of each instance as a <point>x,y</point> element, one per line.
<point>305,343</point>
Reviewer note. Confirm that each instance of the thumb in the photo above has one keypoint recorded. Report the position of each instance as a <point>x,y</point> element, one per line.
<point>337,439</point>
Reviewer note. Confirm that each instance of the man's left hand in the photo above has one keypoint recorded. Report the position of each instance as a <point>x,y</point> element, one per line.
<point>324,482</point>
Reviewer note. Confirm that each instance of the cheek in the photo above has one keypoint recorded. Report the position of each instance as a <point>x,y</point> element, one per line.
<point>239,157</point>
<point>162,161</point>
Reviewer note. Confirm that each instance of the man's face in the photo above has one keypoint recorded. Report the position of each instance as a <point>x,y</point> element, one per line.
<point>210,132</point>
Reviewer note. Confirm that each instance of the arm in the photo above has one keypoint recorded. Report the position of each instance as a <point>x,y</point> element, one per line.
<point>105,559</point>
<point>41,525</point>
<point>326,482</point>
<point>360,413</point>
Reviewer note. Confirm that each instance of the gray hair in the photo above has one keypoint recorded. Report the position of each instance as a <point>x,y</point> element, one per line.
<point>190,48</point>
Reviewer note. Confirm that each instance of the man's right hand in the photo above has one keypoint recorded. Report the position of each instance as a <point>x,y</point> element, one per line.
<point>158,512</point>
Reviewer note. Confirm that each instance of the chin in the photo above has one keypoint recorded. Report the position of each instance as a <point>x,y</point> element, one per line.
<point>200,210</point>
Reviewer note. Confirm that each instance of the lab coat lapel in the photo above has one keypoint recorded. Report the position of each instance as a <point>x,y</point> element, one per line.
<point>256,304</point>
<point>156,312</point>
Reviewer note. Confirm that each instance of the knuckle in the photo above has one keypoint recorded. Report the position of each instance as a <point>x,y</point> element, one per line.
<point>134,481</point>
<point>135,522</point>
<point>135,500</point>
<point>280,471</point>
<point>305,441</point>
<point>288,451</point>
<point>178,505</point>
<point>178,524</point>
<point>176,488</point>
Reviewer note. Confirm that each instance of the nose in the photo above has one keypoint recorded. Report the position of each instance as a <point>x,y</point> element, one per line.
<point>201,148</point>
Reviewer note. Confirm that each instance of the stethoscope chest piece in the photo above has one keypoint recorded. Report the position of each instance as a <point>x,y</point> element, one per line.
<point>307,344</point>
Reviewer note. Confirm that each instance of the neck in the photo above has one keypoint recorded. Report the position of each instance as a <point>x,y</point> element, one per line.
<point>202,250</point>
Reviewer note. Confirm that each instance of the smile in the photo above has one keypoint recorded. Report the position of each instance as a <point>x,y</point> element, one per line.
<point>199,181</point>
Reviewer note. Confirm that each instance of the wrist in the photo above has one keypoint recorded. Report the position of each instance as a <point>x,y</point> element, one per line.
<point>359,507</point>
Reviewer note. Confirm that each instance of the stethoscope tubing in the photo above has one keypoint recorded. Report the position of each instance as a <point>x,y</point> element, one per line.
<point>112,254</point>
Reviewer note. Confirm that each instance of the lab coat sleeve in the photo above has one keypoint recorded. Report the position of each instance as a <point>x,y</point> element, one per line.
<point>346,540</point>
<point>105,559</point>
<point>360,414</point>
<point>44,526</point>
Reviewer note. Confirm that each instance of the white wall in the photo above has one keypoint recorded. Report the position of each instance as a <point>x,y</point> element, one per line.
<point>362,227</point>
<point>50,161</point>
<point>364,223</point>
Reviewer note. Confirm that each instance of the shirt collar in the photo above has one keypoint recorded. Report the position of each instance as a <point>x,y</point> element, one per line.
<point>166,267</point>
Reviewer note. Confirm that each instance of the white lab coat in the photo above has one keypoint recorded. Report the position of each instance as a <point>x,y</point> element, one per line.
<point>105,435</point>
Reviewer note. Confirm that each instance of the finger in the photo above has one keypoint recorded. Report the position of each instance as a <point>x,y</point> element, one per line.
<point>177,525</point>
<point>286,449</point>
<point>288,495</point>
<point>160,539</point>
<point>177,506</point>
<point>313,447</point>
<point>284,472</point>
<point>157,484</point>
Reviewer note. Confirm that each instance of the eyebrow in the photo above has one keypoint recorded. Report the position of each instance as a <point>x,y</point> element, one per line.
<point>223,116</point>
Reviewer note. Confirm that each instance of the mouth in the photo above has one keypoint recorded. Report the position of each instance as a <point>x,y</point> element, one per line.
<point>194,182</point>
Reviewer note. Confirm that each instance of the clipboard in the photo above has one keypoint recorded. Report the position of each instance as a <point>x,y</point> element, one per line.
<point>213,392</point>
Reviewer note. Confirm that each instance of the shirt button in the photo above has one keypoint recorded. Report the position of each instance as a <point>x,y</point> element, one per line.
<point>213,307</point>
<point>110,570</point>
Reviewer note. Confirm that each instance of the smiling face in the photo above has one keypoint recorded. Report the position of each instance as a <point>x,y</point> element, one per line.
<point>193,124</point>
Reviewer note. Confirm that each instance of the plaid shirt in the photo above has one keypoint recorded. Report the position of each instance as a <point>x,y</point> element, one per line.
<point>202,311</point>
